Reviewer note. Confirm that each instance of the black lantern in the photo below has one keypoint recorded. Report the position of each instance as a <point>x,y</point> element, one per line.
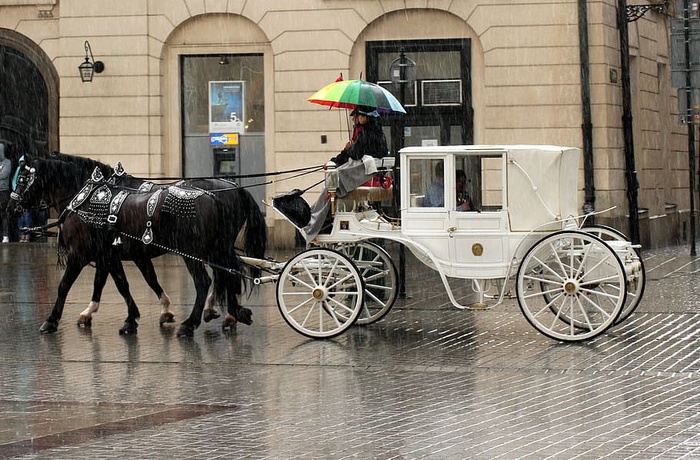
<point>89,67</point>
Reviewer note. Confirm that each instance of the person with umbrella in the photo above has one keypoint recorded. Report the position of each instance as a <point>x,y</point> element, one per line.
<point>368,141</point>
<point>367,137</point>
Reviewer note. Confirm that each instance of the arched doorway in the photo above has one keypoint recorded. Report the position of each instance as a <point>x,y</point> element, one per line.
<point>28,104</point>
<point>28,97</point>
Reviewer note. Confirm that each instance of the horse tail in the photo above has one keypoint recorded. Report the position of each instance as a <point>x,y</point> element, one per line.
<point>227,277</point>
<point>255,238</point>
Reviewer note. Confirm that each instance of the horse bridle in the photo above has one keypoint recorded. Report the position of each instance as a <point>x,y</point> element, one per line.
<point>24,182</point>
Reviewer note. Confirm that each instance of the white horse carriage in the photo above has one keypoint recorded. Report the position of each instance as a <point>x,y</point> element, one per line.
<point>522,234</point>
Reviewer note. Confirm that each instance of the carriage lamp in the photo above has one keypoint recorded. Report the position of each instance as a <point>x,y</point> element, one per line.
<point>90,66</point>
<point>332,182</point>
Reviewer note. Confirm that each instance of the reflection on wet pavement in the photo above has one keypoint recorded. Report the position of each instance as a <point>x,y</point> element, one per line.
<point>428,381</point>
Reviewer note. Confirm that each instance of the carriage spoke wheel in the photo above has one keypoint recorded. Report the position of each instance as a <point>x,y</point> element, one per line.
<point>571,286</point>
<point>635,290</point>
<point>379,275</point>
<point>320,293</point>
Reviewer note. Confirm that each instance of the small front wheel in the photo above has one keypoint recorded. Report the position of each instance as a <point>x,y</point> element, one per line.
<point>320,293</point>
<point>571,286</point>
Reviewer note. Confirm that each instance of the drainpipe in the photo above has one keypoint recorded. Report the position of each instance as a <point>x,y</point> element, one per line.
<point>630,169</point>
<point>586,125</point>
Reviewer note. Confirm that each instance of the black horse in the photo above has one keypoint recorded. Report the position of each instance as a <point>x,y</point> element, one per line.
<point>236,198</point>
<point>205,232</point>
<point>59,200</point>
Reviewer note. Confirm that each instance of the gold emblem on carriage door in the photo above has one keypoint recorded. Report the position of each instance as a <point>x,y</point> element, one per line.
<point>477,249</point>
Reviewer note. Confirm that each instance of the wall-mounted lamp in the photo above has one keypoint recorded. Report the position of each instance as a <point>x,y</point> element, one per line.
<point>90,66</point>
<point>223,60</point>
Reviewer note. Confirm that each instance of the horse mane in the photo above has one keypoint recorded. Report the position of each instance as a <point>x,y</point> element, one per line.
<point>68,175</point>
<point>55,181</point>
<point>84,164</point>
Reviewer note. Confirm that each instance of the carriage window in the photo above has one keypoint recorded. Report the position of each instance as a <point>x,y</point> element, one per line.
<point>467,182</point>
<point>482,180</point>
<point>491,187</point>
<point>426,186</point>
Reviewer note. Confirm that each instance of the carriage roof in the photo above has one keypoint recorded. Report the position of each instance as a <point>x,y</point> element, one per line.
<point>541,181</point>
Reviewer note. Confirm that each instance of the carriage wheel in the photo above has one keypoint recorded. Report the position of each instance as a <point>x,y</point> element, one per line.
<point>571,286</point>
<point>635,291</point>
<point>320,293</point>
<point>380,276</point>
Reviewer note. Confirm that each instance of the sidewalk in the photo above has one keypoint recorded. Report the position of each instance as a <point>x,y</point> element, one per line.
<point>428,381</point>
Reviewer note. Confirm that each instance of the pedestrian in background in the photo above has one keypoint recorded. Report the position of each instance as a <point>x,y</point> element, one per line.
<point>5,173</point>
<point>25,220</point>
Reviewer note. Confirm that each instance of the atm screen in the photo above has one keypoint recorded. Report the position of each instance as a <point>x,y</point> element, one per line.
<point>227,167</point>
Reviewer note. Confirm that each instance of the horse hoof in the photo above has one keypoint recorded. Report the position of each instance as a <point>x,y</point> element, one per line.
<point>245,316</point>
<point>185,331</point>
<point>210,315</point>
<point>229,323</point>
<point>84,321</point>
<point>128,329</point>
<point>166,318</point>
<point>49,327</point>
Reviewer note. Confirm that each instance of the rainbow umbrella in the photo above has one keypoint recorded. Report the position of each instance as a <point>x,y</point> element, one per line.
<point>348,94</point>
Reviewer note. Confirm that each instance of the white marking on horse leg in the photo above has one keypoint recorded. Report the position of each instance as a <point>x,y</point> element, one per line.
<point>209,305</point>
<point>164,303</point>
<point>166,316</point>
<point>86,315</point>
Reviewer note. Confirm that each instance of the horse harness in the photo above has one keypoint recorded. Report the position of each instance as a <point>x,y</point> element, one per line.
<point>99,207</point>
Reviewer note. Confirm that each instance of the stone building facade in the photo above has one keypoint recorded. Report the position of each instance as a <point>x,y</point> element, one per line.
<point>496,72</point>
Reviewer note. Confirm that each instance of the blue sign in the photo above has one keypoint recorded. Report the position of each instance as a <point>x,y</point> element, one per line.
<point>223,139</point>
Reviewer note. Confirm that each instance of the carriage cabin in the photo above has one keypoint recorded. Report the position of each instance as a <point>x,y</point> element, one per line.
<point>513,193</point>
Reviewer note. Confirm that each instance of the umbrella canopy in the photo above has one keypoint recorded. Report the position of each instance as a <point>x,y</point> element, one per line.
<point>349,94</point>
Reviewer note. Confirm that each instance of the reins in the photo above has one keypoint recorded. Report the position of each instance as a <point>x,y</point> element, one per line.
<point>303,171</point>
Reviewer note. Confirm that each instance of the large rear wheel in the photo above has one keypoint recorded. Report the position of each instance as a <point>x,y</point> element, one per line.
<point>635,290</point>
<point>571,286</point>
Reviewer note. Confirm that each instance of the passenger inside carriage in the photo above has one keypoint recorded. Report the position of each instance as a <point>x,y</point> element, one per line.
<point>354,165</point>
<point>435,195</point>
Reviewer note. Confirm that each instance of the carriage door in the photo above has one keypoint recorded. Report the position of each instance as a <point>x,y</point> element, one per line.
<point>479,242</point>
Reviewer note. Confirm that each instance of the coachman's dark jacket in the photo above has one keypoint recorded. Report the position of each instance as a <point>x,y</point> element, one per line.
<point>370,141</point>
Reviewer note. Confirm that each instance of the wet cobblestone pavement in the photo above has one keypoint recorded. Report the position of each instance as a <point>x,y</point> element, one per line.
<point>428,381</point>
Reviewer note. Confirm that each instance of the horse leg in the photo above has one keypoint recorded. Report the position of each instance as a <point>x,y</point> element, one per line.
<point>202,281</point>
<point>227,287</point>
<point>235,312</point>
<point>98,285</point>
<point>210,310</point>
<point>116,269</point>
<point>230,320</point>
<point>73,269</point>
<point>149,274</point>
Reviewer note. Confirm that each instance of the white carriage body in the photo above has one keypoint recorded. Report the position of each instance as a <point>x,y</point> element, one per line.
<point>537,187</point>
<point>524,191</point>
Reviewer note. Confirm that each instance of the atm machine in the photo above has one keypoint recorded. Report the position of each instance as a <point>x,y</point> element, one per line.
<point>225,149</point>
<point>226,162</point>
<point>241,155</point>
